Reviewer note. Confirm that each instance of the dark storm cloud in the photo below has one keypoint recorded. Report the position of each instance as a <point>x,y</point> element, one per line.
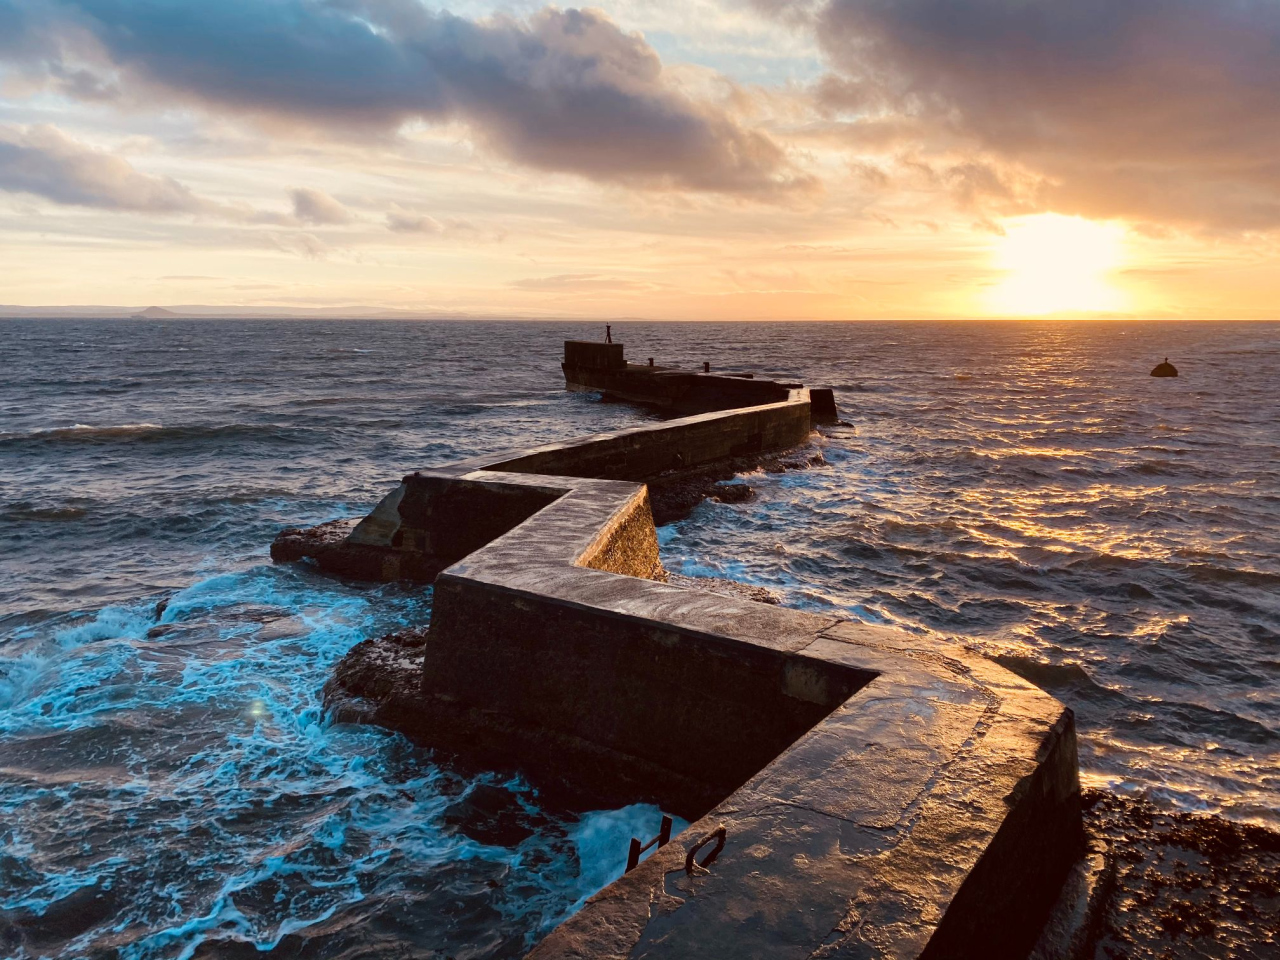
<point>566,90</point>
<point>1162,109</point>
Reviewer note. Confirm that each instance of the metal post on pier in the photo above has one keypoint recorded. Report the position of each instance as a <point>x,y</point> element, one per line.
<point>662,839</point>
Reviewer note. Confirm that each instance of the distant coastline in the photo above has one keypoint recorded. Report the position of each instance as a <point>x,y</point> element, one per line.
<point>357,312</point>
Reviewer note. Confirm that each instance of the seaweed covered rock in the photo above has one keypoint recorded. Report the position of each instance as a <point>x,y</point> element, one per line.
<point>327,546</point>
<point>377,678</point>
<point>1185,885</point>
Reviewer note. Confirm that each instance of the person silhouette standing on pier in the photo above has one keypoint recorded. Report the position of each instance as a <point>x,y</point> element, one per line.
<point>608,333</point>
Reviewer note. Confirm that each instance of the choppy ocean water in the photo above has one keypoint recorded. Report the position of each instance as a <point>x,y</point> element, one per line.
<point>169,786</point>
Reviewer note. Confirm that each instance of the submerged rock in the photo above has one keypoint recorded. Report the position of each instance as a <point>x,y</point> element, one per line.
<point>493,816</point>
<point>674,496</point>
<point>1165,369</point>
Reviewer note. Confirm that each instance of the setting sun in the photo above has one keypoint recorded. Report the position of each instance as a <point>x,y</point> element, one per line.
<point>1057,264</point>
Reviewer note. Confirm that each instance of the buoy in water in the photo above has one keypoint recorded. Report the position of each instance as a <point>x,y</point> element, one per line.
<point>1165,369</point>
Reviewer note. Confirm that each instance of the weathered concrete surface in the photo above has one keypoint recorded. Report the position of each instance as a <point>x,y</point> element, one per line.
<point>641,453</point>
<point>594,355</point>
<point>725,588</point>
<point>881,795</point>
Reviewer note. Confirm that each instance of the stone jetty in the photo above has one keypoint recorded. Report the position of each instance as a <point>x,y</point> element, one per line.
<point>854,790</point>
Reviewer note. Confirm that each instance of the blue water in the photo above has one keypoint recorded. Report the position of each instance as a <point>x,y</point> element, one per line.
<point>171,788</point>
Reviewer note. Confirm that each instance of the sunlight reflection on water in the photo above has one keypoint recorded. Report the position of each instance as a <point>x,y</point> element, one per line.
<point>170,787</point>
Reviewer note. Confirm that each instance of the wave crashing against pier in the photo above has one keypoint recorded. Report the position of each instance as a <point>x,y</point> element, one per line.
<point>880,794</point>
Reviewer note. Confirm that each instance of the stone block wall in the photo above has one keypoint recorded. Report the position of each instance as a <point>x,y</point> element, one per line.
<point>642,453</point>
<point>876,794</point>
<point>594,355</point>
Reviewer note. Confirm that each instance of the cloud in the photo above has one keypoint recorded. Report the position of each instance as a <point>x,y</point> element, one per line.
<point>579,283</point>
<point>564,90</point>
<point>44,162</point>
<point>306,245</point>
<point>1159,109</point>
<point>406,221</point>
<point>317,207</point>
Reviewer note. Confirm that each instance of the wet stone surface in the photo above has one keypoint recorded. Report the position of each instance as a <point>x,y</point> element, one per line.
<point>494,815</point>
<point>296,543</point>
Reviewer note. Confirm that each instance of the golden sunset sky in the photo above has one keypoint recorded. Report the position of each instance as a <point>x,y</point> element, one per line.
<point>691,159</point>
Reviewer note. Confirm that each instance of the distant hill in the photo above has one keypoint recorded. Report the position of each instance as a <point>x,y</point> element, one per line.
<point>182,311</point>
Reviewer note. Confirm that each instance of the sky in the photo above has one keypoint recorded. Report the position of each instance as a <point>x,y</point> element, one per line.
<point>681,159</point>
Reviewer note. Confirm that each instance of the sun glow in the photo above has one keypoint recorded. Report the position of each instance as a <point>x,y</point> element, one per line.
<point>1057,264</point>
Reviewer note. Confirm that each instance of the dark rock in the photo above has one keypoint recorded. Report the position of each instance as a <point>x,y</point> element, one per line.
<point>1185,885</point>
<point>675,494</point>
<point>297,543</point>
<point>732,493</point>
<point>1073,925</point>
<point>493,816</point>
<point>375,677</point>
<point>674,498</point>
<point>1165,369</point>
<point>326,545</point>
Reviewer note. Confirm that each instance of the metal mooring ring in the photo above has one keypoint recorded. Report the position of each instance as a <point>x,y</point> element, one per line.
<point>691,865</point>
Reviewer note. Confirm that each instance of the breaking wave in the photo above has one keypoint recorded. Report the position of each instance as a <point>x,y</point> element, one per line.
<point>265,823</point>
<point>152,433</point>
<point>169,784</point>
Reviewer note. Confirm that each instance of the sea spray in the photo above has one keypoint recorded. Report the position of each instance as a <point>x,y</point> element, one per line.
<point>170,785</point>
<point>173,784</point>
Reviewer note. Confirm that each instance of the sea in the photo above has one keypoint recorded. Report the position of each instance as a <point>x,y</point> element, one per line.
<point>170,785</point>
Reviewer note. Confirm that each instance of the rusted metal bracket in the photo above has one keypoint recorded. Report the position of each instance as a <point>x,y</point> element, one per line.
<point>691,865</point>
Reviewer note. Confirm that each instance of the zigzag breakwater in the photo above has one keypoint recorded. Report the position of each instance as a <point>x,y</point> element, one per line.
<point>853,790</point>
